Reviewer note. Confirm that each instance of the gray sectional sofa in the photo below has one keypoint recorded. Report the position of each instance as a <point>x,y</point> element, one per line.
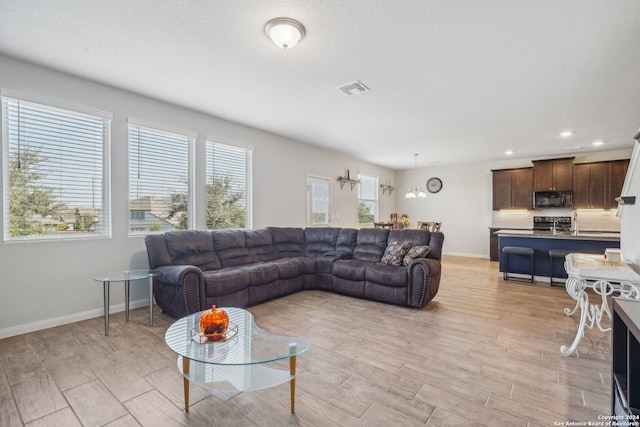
<point>244,267</point>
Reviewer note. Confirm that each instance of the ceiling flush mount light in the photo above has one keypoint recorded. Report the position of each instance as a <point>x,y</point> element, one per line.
<point>509,152</point>
<point>284,32</point>
<point>415,191</point>
<point>596,143</point>
<point>567,133</point>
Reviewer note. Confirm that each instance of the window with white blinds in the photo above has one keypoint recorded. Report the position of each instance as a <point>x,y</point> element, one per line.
<point>55,170</point>
<point>228,186</point>
<point>159,178</point>
<point>318,201</point>
<point>367,199</point>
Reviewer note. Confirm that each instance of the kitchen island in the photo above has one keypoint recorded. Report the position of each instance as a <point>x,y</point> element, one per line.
<point>543,241</point>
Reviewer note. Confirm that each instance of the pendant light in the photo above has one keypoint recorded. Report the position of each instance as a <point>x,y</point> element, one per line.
<point>415,192</point>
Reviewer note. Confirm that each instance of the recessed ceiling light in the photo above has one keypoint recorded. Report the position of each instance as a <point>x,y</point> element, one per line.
<point>567,133</point>
<point>509,152</point>
<point>598,142</point>
<point>575,147</point>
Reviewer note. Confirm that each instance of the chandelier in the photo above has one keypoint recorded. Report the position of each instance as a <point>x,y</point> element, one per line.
<point>415,191</point>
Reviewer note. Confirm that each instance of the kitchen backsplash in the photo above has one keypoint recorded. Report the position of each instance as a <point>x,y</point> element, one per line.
<point>588,220</point>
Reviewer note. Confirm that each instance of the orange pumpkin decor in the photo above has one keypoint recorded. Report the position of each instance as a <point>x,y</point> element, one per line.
<point>214,323</point>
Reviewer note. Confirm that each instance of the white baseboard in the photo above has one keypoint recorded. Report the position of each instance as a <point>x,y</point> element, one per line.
<point>63,320</point>
<point>484,256</point>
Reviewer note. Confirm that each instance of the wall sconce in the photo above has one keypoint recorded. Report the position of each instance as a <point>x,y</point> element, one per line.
<point>387,187</point>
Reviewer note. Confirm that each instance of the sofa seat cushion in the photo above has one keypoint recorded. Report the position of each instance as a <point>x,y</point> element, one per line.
<point>289,268</point>
<point>352,269</point>
<point>261,273</point>
<point>388,275</point>
<point>225,281</point>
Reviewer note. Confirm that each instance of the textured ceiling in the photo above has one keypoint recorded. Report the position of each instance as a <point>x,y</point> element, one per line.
<point>454,80</point>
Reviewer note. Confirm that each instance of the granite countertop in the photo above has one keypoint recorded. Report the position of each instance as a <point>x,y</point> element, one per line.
<point>582,235</point>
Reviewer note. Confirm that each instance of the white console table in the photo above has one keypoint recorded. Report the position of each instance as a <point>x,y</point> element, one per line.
<point>588,271</point>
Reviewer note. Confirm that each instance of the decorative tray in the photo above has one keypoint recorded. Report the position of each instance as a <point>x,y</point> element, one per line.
<point>216,338</point>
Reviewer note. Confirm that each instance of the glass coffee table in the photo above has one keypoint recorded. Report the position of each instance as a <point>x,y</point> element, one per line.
<point>241,361</point>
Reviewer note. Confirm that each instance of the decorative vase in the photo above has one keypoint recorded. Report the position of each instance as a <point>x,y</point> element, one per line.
<point>214,323</point>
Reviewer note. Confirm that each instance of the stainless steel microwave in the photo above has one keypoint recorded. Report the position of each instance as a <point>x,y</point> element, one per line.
<point>553,199</point>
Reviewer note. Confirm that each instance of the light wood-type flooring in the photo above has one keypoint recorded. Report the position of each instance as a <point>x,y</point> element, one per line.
<point>483,352</point>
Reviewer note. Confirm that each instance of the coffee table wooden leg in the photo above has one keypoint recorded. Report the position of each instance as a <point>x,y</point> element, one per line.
<point>292,371</point>
<point>185,382</point>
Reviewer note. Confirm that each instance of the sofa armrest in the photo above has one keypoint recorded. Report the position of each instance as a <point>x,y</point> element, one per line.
<point>424,280</point>
<point>179,289</point>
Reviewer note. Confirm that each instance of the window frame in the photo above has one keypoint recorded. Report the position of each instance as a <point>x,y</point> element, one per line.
<point>189,172</point>
<point>326,182</point>
<point>210,144</point>
<point>55,107</point>
<point>375,201</point>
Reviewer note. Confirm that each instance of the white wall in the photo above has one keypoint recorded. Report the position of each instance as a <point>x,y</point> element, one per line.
<point>464,205</point>
<point>630,214</point>
<point>49,283</point>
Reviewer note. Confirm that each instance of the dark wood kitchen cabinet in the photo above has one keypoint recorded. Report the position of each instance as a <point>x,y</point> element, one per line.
<point>596,185</point>
<point>553,174</point>
<point>512,188</point>
<point>589,185</point>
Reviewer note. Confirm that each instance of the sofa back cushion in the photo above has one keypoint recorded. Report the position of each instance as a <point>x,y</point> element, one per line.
<point>420,238</point>
<point>318,241</point>
<point>192,247</point>
<point>260,245</point>
<point>231,247</point>
<point>370,244</point>
<point>347,239</point>
<point>288,241</point>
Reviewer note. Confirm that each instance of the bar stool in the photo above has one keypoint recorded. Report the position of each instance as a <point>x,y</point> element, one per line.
<point>553,254</point>
<point>516,250</point>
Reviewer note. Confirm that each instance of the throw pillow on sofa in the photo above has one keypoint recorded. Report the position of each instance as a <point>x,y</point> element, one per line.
<point>416,252</point>
<point>395,253</point>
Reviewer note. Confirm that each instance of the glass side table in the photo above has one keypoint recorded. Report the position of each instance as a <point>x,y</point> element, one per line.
<point>125,276</point>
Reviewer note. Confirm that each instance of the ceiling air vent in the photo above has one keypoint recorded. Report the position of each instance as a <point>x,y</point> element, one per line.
<point>354,88</point>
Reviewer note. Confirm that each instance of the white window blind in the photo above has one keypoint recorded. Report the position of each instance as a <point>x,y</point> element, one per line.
<point>367,199</point>
<point>318,201</point>
<point>228,186</point>
<point>159,177</point>
<point>55,169</point>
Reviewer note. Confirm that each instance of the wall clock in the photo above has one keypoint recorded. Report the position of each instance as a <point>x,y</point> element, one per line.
<point>434,185</point>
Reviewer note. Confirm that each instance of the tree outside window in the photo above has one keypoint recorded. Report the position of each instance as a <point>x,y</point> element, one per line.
<point>367,199</point>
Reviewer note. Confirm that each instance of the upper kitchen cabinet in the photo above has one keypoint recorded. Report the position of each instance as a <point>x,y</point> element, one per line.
<point>553,175</point>
<point>513,189</point>
<point>596,185</point>
<point>589,185</point>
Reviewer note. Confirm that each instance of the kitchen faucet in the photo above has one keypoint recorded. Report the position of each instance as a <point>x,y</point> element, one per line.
<point>555,230</point>
<point>575,223</point>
